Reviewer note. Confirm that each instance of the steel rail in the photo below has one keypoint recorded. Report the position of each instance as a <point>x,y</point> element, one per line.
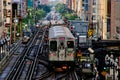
<point>19,62</point>
<point>39,49</point>
<point>21,66</point>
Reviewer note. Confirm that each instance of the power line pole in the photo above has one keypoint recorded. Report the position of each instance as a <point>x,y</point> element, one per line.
<point>21,32</point>
<point>20,20</point>
<point>11,36</point>
<point>15,21</point>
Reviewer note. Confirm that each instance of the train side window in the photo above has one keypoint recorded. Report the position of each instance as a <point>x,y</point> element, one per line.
<point>53,45</point>
<point>70,44</point>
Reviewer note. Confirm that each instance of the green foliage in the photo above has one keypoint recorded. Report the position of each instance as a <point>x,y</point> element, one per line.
<point>37,14</point>
<point>65,11</point>
<point>70,16</point>
<point>62,8</point>
<point>40,14</point>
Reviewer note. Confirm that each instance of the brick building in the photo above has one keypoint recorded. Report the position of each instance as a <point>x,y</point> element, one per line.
<point>115,19</point>
<point>1,19</point>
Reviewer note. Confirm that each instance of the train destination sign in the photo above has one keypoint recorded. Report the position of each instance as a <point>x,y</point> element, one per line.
<point>61,38</point>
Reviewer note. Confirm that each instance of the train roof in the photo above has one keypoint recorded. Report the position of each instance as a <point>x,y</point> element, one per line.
<point>60,31</point>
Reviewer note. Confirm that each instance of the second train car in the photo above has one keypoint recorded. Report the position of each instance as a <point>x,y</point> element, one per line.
<point>61,48</point>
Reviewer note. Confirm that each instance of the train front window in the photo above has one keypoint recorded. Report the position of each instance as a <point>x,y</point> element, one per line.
<point>70,44</point>
<point>53,45</point>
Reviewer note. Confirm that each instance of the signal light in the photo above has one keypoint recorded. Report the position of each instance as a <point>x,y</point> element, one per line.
<point>71,54</point>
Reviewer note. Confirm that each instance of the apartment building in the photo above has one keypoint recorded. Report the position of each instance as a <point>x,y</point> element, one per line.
<point>85,5</point>
<point>23,8</point>
<point>98,10</point>
<point>74,5</point>
<point>20,6</point>
<point>46,2</point>
<point>6,16</point>
<point>65,1</point>
<point>105,17</point>
<point>94,16</point>
<point>1,18</point>
<point>115,19</point>
<point>79,8</point>
<point>68,3</point>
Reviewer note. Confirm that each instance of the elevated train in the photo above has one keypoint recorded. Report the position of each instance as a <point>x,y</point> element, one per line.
<point>61,48</point>
<point>25,40</point>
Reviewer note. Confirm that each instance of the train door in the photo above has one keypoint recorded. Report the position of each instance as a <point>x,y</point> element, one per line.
<point>61,51</point>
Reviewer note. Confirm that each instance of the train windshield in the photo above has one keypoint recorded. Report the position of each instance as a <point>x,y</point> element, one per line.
<point>70,44</point>
<point>53,45</point>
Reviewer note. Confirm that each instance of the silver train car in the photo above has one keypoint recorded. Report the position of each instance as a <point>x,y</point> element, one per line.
<point>61,48</point>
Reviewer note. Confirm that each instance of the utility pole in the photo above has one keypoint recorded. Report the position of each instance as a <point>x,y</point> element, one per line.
<point>11,36</point>
<point>21,32</point>
<point>10,29</point>
<point>15,20</point>
<point>20,20</point>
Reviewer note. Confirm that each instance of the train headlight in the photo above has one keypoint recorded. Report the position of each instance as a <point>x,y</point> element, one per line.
<point>64,67</point>
<point>52,54</point>
<point>71,54</point>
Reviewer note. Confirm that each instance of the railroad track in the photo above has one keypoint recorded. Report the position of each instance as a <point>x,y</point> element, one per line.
<point>44,73</point>
<point>27,67</point>
<point>20,66</point>
<point>58,76</point>
<point>35,63</point>
<point>17,45</point>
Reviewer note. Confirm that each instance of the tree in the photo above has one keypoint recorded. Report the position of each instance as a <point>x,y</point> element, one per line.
<point>38,14</point>
<point>61,8</point>
<point>65,11</point>
<point>70,16</point>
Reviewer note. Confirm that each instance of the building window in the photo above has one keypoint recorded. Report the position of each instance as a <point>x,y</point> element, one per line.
<point>4,12</point>
<point>94,10</point>
<point>86,1</point>
<point>86,7</point>
<point>117,0</point>
<point>94,17</point>
<point>9,3</point>
<point>0,23</point>
<point>83,4</point>
<point>94,2</point>
<point>118,30</point>
<point>4,3</point>
<point>8,13</point>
